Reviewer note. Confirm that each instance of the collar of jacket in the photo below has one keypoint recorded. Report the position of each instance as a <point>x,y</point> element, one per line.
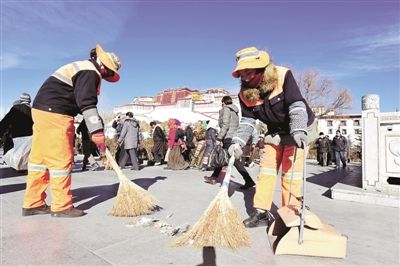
<point>278,89</point>
<point>95,64</point>
<point>250,103</point>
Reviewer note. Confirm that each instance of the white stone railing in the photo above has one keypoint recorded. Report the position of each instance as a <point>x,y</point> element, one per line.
<point>380,146</point>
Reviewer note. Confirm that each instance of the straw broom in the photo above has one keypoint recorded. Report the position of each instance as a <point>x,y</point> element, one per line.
<point>220,225</point>
<point>131,200</point>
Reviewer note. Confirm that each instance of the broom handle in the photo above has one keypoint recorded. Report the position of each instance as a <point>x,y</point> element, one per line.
<point>115,166</point>
<point>228,172</point>
<point>303,206</point>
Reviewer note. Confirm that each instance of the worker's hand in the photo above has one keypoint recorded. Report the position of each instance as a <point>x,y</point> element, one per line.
<point>301,139</point>
<point>99,139</point>
<point>218,142</point>
<point>235,150</point>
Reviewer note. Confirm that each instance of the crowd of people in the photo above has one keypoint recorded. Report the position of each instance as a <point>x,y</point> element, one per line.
<point>182,146</point>
<point>268,93</point>
<point>335,150</point>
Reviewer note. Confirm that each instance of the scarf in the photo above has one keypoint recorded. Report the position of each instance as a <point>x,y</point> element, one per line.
<point>266,84</point>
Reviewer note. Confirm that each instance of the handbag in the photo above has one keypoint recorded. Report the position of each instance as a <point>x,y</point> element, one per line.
<point>218,157</point>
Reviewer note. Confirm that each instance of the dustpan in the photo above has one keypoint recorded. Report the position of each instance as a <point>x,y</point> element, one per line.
<point>301,232</point>
<point>290,215</point>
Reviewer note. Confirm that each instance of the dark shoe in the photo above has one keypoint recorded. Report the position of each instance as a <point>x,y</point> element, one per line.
<point>248,185</point>
<point>255,218</point>
<point>210,180</point>
<point>70,212</point>
<point>44,209</point>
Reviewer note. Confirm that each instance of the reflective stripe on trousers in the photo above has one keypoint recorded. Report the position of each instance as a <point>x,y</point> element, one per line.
<point>274,158</point>
<point>50,160</point>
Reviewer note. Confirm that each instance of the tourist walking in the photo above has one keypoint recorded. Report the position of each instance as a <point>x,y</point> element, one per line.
<point>199,135</point>
<point>117,124</point>
<point>322,149</point>
<point>87,147</point>
<point>210,139</point>
<point>129,141</point>
<point>189,137</point>
<point>228,122</point>
<point>339,147</point>
<point>159,143</point>
<point>177,146</point>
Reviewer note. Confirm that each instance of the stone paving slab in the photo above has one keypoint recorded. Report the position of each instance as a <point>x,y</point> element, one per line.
<point>100,239</point>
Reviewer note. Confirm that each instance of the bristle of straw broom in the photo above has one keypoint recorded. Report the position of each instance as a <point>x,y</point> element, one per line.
<point>220,225</point>
<point>131,200</point>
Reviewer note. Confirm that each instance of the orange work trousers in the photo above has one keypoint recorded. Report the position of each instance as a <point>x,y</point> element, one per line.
<point>50,160</point>
<point>273,159</point>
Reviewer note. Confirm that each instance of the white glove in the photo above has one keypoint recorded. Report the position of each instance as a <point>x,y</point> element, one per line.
<point>235,150</point>
<point>301,139</point>
<point>274,140</point>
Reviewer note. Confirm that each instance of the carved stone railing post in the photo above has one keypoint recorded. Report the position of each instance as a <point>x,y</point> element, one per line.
<point>370,141</point>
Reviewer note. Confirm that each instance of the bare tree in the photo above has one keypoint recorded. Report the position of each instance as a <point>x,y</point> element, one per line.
<point>321,92</point>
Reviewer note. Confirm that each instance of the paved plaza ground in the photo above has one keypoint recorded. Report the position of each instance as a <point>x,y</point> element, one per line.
<point>101,239</point>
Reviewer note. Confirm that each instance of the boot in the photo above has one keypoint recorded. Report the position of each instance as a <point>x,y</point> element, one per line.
<point>84,167</point>
<point>255,218</point>
<point>247,185</point>
<point>44,209</point>
<point>210,180</point>
<point>70,212</point>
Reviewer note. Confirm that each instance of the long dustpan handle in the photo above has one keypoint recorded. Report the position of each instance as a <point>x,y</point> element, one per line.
<point>303,205</point>
<point>291,176</point>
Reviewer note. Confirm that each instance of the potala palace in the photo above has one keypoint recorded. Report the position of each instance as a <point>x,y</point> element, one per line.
<point>189,105</point>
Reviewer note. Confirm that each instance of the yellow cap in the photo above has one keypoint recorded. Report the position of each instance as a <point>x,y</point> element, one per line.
<point>109,60</point>
<point>250,58</point>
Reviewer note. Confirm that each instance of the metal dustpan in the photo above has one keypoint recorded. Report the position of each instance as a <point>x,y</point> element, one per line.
<point>301,232</point>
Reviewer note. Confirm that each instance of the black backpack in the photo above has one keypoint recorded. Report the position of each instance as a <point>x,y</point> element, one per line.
<point>218,157</point>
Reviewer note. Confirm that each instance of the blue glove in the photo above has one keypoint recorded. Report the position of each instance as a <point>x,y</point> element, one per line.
<point>300,137</point>
<point>235,150</point>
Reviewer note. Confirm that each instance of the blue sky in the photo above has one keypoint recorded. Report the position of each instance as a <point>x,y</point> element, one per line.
<point>166,44</point>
